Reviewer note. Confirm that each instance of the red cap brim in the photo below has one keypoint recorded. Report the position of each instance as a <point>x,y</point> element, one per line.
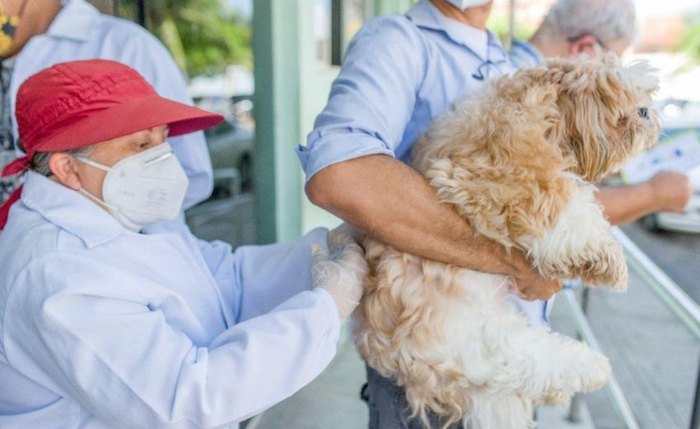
<point>127,118</point>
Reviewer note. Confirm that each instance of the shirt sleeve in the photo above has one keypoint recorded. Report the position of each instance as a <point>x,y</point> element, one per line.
<point>150,58</point>
<point>256,279</point>
<point>102,341</point>
<point>272,274</point>
<point>372,99</point>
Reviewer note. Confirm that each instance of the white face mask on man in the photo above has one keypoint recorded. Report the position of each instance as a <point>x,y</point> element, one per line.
<point>142,189</point>
<point>466,4</point>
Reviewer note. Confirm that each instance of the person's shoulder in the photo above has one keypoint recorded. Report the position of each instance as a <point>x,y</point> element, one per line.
<point>28,243</point>
<point>32,237</point>
<point>390,28</point>
<point>523,54</point>
<point>123,30</point>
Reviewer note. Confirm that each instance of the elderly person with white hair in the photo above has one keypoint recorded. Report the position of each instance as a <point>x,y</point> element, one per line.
<point>590,27</point>
<point>114,316</point>
<point>573,27</point>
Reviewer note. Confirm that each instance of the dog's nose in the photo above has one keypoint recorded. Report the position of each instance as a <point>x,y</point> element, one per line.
<point>643,112</point>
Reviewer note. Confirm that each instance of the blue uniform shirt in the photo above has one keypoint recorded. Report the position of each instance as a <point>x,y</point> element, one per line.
<point>399,73</point>
<point>524,54</point>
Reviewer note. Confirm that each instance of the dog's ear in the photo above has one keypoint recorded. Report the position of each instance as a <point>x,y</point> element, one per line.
<point>595,104</point>
<point>493,158</point>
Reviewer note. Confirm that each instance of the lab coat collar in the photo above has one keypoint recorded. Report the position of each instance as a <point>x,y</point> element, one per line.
<point>69,210</point>
<point>483,44</point>
<point>75,21</point>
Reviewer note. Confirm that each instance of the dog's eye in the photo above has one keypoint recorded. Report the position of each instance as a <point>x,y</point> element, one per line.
<point>643,112</point>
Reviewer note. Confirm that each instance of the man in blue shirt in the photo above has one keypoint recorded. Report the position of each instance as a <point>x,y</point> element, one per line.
<point>575,27</point>
<point>399,73</point>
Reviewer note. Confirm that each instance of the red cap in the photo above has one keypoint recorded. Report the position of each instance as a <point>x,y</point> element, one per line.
<point>80,103</point>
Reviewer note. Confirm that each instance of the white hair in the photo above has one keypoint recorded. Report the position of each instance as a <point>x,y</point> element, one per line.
<point>607,20</point>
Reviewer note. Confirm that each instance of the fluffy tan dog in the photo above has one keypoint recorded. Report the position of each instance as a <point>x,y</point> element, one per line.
<point>517,162</point>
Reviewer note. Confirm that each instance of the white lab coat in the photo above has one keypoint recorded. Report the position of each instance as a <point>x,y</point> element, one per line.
<point>101,327</point>
<point>80,32</point>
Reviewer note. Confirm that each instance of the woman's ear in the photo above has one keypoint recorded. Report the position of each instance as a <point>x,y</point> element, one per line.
<point>64,168</point>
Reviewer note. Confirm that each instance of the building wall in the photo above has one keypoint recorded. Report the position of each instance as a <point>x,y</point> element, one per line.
<point>292,86</point>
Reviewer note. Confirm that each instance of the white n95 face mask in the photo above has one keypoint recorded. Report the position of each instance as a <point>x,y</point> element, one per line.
<point>142,189</point>
<point>466,4</point>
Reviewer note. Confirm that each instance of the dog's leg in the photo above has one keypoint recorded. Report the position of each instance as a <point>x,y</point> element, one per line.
<point>501,411</point>
<point>546,366</point>
<point>580,245</point>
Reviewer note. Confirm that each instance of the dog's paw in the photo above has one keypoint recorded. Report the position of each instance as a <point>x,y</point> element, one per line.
<point>595,372</point>
<point>606,267</point>
<point>555,397</point>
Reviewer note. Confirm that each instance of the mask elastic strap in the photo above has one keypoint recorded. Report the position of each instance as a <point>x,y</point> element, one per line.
<point>121,219</point>
<point>95,199</point>
<point>92,163</point>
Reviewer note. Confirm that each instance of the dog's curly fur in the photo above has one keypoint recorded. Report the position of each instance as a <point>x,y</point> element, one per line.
<point>517,162</point>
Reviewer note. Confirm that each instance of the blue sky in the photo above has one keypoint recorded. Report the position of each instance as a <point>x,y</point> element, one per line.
<point>244,7</point>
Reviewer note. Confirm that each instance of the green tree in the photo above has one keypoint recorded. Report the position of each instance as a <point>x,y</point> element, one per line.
<point>691,41</point>
<point>202,35</point>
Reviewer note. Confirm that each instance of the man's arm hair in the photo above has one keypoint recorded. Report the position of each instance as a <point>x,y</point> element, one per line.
<point>393,203</point>
<point>667,191</point>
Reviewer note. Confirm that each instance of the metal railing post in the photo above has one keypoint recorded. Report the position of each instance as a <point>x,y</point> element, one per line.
<point>617,396</point>
<point>577,400</point>
<point>695,416</point>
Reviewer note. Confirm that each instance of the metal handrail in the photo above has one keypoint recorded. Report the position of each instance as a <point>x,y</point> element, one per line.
<point>670,293</point>
<point>687,310</point>
<point>680,304</point>
<point>617,396</point>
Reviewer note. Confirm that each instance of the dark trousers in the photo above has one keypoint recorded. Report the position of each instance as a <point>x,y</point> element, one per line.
<point>388,408</point>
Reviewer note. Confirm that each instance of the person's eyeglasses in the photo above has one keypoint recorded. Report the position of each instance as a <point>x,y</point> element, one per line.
<point>484,69</point>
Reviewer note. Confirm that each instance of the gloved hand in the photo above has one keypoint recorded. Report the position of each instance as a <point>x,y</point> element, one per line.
<point>342,270</point>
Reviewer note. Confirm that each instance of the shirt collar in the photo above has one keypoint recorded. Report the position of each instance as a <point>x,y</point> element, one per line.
<point>75,21</point>
<point>484,44</point>
<point>522,47</point>
<point>69,210</point>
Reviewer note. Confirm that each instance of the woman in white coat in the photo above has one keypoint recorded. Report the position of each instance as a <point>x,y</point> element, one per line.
<point>113,317</point>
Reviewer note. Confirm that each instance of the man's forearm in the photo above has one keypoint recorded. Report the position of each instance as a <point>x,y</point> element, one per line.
<point>392,202</point>
<point>623,204</point>
<point>666,191</point>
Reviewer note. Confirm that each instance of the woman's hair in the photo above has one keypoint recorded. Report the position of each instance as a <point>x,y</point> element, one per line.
<point>40,161</point>
<point>607,20</point>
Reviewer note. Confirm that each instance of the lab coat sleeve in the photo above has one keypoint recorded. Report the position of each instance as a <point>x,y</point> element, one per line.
<point>271,274</point>
<point>256,279</point>
<point>148,56</point>
<point>100,337</point>
<point>372,99</point>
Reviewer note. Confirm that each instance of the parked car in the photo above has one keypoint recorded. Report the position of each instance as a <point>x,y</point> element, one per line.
<point>231,150</point>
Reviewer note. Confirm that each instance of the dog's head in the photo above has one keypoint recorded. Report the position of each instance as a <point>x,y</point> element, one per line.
<point>606,112</point>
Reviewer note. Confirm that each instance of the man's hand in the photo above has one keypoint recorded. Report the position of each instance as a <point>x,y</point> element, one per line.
<point>671,191</point>
<point>531,285</point>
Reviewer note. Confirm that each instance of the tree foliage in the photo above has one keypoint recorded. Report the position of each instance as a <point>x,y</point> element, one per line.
<point>691,41</point>
<point>203,36</point>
